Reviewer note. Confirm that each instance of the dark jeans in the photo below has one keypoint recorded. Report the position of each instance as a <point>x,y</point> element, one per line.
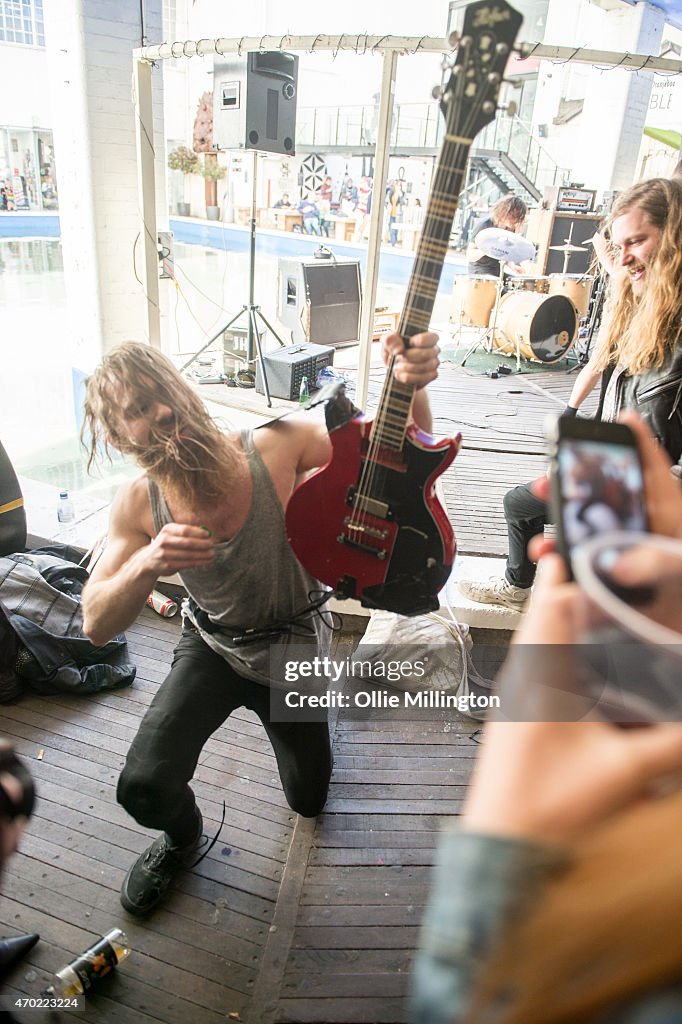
<point>198,695</point>
<point>526,516</point>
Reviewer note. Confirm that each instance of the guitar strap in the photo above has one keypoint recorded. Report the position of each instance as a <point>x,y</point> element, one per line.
<point>338,407</point>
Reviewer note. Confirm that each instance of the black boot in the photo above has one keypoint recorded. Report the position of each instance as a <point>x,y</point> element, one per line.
<point>12,950</point>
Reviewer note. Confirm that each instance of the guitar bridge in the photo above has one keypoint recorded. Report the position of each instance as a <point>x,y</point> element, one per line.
<point>369,531</point>
<point>361,545</point>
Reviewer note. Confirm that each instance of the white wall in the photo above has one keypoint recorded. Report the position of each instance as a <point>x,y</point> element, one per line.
<point>24,96</point>
<point>600,146</point>
<point>90,44</point>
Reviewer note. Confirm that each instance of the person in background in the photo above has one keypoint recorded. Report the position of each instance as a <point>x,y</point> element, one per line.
<point>508,214</point>
<point>396,198</point>
<point>324,204</point>
<point>638,357</point>
<point>363,208</point>
<point>557,896</point>
<point>310,214</point>
<point>348,198</point>
<point>283,202</point>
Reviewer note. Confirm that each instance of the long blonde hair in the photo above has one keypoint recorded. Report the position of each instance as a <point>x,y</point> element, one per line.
<point>606,930</point>
<point>195,462</point>
<point>638,334</point>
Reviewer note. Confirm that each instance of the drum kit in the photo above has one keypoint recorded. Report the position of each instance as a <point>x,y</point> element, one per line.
<point>529,316</point>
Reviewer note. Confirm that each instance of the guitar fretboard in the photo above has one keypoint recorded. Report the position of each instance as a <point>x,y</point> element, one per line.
<point>390,424</point>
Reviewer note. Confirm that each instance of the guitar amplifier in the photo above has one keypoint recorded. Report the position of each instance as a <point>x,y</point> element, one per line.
<point>286,368</point>
<point>320,300</point>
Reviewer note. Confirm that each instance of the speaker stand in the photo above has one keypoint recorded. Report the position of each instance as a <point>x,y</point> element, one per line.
<point>251,310</point>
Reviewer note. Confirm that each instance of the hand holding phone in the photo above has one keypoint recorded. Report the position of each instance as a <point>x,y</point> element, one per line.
<point>597,483</point>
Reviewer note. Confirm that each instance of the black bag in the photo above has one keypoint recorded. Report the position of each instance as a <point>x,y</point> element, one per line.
<point>12,512</point>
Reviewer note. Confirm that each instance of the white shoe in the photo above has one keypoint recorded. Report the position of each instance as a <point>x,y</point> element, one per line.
<point>496,590</point>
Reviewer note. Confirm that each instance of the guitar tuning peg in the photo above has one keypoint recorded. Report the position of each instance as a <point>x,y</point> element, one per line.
<point>437,92</point>
<point>511,108</point>
<point>514,83</point>
<point>453,40</point>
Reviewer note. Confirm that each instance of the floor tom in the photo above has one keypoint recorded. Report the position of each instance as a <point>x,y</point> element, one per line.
<point>576,287</point>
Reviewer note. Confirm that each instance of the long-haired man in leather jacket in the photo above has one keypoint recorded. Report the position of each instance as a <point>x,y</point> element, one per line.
<point>638,358</point>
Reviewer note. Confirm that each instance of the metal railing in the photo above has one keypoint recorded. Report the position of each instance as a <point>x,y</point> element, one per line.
<point>413,126</point>
<point>513,136</point>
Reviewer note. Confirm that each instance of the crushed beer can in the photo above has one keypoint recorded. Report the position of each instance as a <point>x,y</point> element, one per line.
<point>162,605</point>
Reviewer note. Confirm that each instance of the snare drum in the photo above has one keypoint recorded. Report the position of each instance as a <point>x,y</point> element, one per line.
<point>545,326</point>
<point>473,298</point>
<point>576,287</point>
<point>526,283</point>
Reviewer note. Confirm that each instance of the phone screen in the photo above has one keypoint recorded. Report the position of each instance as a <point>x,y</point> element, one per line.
<point>601,489</point>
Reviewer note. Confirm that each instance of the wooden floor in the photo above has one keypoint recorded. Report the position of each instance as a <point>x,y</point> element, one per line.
<point>286,919</point>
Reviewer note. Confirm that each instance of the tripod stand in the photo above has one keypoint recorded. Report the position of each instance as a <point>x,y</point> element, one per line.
<point>251,310</point>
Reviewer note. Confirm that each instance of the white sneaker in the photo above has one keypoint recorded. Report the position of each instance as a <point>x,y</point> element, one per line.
<point>497,590</point>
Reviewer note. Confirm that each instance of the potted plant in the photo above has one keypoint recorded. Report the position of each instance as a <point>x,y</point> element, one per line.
<point>212,172</point>
<point>183,159</point>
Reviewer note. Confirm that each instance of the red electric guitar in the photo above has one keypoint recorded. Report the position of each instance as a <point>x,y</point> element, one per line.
<point>368,523</point>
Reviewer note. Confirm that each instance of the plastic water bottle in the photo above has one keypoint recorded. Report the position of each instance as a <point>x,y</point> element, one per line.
<point>304,392</point>
<point>66,513</point>
<point>99,959</point>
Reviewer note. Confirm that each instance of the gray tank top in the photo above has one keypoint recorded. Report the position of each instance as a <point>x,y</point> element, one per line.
<point>254,581</point>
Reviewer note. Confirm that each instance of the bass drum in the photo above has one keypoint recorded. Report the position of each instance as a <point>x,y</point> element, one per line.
<point>473,298</point>
<point>545,326</point>
<point>576,287</point>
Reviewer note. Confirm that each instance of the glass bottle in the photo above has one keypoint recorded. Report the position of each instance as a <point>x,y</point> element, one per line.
<point>98,960</point>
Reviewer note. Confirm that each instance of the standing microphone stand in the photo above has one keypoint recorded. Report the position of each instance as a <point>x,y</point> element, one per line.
<point>251,310</point>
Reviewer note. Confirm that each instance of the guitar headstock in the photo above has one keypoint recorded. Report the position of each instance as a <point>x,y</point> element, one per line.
<point>469,100</point>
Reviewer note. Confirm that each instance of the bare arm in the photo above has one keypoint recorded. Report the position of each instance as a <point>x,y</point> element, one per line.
<point>584,384</point>
<point>133,561</point>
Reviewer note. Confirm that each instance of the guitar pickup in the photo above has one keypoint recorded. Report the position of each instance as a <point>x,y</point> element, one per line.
<point>370,506</point>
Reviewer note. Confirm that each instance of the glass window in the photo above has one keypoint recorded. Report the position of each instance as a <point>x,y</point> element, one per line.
<point>21,21</point>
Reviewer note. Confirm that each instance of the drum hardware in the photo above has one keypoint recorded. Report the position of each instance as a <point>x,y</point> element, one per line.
<point>593,321</point>
<point>568,249</point>
<point>506,247</point>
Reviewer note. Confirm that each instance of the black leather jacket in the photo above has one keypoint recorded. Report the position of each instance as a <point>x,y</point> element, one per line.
<point>657,396</point>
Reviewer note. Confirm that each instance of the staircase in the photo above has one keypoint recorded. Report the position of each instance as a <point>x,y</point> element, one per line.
<point>512,159</point>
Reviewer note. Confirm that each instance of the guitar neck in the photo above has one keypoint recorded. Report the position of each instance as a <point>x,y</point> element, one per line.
<point>390,424</point>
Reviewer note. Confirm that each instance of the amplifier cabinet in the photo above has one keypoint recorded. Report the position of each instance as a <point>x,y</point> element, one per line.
<point>548,228</point>
<point>286,368</point>
<point>320,300</point>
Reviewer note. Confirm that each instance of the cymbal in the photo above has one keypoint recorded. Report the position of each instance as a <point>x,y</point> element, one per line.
<point>568,247</point>
<point>505,246</point>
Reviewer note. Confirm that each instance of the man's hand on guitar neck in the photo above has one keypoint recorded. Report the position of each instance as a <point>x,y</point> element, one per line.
<point>417,365</point>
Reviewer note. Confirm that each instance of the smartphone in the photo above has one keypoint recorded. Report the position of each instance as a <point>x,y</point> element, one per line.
<point>597,484</point>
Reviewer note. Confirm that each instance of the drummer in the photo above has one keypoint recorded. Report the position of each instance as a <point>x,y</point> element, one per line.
<point>508,214</point>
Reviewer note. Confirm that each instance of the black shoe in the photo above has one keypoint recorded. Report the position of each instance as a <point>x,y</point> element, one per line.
<point>154,871</point>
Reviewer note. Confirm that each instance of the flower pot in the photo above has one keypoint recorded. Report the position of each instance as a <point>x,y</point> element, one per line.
<point>213,213</point>
<point>183,209</point>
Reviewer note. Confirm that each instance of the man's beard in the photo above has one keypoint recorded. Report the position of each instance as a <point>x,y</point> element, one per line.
<point>185,464</point>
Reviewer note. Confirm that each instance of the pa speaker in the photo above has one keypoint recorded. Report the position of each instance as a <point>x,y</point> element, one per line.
<point>254,102</point>
<point>320,300</point>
